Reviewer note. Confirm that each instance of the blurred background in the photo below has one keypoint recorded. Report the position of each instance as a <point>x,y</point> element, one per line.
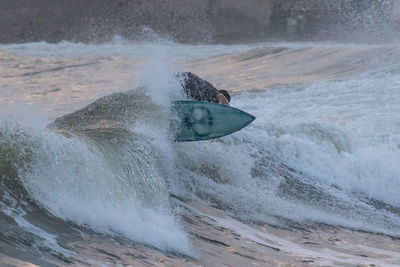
<point>194,21</point>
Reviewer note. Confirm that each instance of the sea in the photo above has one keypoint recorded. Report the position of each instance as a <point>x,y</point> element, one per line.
<point>90,174</point>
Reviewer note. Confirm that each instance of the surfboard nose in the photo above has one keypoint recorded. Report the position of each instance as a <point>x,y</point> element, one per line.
<point>199,120</point>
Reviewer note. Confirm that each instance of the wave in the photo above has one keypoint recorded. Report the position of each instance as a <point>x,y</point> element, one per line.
<point>94,172</point>
<point>323,150</point>
<point>290,63</point>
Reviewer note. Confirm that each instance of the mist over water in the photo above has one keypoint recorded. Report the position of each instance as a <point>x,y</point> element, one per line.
<point>330,146</point>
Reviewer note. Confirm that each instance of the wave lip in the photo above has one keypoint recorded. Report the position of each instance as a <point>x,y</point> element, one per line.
<point>100,177</point>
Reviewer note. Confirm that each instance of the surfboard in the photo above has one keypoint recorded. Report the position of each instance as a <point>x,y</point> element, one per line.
<point>198,120</point>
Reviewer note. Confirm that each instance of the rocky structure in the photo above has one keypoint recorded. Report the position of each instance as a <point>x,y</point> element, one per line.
<point>98,20</point>
<point>194,20</point>
<point>338,20</point>
<point>396,15</point>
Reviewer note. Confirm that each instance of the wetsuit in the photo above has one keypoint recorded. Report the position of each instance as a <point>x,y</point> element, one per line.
<point>196,88</point>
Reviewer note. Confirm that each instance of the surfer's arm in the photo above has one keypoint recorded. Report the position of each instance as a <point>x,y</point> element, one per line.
<point>222,99</point>
<point>200,90</point>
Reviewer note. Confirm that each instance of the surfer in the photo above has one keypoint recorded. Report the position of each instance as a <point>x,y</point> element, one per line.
<point>198,89</point>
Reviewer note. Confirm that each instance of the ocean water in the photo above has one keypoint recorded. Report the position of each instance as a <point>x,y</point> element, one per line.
<point>85,146</point>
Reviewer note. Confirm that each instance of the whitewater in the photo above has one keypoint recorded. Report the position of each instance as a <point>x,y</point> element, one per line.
<point>90,174</point>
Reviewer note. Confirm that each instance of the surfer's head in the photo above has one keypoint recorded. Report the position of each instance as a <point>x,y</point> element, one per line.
<point>226,94</point>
